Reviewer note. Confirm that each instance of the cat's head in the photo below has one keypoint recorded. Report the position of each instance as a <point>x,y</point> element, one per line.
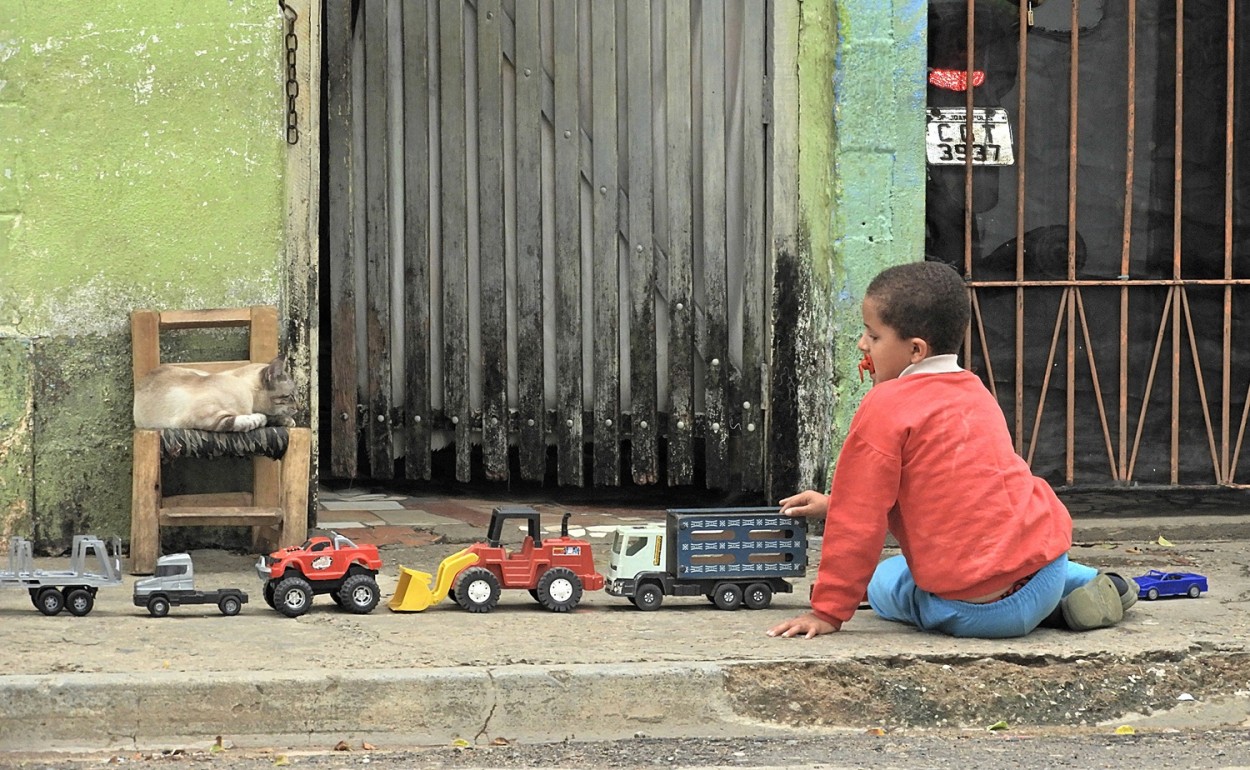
<point>276,396</point>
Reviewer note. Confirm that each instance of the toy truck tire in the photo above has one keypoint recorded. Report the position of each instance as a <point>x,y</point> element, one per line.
<point>359,594</point>
<point>477,590</point>
<point>648,597</point>
<point>559,589</point>
<point>229,605</point>
<point>50,601</point>
<point>292,596</point>
<point>727,596</point>
<point>757,596</point>
<point>158,606</point>
<point>79,601</point>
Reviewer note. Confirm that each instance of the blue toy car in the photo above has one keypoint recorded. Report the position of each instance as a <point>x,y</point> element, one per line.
<point>1156,583</point>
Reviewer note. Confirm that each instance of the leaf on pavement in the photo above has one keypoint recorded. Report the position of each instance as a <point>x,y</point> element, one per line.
<point>875,731</point>
<point>999,725</point>
<point>1164,541</point>
<point>342,746</point>
<point>1125,730</point>
<point>281,760</point>
<point>461,743</point>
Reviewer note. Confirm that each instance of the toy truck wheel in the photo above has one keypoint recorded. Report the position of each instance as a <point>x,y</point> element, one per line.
<point>559,589</point>
<point>358,594</point>
<point>727,596</point>
<point>477,590</point>
<point>267,592</point>
<point>757,596</point>
<point>1194,593</point>
<point>50,601</point>
<point>229,605</point>
<point>158,606</point>
<point>79,602</point>
<point>1152,594</point>
<point>292,596</point>
<point>648,596</point>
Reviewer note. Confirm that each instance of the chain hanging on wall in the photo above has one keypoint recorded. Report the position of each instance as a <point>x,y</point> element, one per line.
<point>292,75</point>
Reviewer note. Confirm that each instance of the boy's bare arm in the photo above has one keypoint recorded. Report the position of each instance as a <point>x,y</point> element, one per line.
<point>806,503</point>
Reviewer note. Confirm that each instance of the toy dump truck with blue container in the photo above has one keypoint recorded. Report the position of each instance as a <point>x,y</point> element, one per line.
<point>733,556</point>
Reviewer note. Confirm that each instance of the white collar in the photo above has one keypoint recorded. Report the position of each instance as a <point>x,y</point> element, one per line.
<point>940,364</point>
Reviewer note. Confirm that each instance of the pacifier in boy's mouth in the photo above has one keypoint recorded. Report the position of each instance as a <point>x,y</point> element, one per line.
<point>865,365</point>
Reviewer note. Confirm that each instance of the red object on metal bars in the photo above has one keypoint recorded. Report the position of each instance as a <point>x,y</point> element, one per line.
<point>955,80</point>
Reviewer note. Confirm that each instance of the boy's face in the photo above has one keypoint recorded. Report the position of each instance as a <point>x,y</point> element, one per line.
<point>890,353</point>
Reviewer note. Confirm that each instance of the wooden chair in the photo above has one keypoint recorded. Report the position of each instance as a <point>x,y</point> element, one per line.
<point>277,506</point>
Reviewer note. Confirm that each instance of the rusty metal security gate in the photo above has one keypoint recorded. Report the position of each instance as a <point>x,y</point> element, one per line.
<point>546,233</point>
<point>1110,263</point>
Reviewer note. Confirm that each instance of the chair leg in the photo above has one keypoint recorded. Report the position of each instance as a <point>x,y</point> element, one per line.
<point>266,493</point>
<point>145,534</point>
<point>295,468</point>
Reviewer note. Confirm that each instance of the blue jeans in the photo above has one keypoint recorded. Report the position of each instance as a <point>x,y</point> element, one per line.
<point>894,595</point>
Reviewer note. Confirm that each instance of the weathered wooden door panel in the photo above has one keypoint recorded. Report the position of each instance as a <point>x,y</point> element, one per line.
<point>547,240</point>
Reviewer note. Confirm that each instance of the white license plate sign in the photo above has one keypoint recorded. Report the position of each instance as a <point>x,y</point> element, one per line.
<point>946,137</point>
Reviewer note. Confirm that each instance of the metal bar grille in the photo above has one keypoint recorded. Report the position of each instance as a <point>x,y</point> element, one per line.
<point>1109,285</point>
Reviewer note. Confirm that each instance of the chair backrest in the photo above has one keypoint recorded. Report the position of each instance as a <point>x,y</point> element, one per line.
<point>146,327</point>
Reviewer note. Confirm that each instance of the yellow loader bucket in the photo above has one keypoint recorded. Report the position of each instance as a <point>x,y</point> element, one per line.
<point>415,591</point>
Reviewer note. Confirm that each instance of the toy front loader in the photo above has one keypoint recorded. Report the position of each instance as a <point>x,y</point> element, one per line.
<point>416,591</point>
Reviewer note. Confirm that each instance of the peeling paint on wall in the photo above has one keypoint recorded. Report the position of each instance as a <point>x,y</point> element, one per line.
<point>142,164</point>
<point>153,176</point>
<point>16,457</point>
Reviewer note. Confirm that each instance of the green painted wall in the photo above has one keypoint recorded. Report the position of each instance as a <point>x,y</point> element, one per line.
<point>861,182</point>
<point>142,162</point>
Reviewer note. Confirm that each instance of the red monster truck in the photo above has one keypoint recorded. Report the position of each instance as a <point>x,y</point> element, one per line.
<point>322,565</point>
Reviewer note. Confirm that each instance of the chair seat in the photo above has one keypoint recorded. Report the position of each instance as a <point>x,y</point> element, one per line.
<point>270,441</point>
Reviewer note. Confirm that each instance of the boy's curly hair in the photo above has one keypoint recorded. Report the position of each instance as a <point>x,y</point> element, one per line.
<point>923,299</point>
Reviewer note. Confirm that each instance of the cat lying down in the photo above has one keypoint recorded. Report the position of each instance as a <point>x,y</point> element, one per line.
<point>240,399</point>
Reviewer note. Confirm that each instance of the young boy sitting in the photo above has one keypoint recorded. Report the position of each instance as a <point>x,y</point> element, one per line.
<point>929,458</point>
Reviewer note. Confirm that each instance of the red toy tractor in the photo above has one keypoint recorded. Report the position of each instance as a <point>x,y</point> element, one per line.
<point>555,571</point>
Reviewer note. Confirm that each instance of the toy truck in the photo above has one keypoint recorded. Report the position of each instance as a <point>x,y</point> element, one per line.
<point>556,570</point>
<point>92,565</point>
<point>174,584</point>
<point>733,556</point>
<point>322,565</point>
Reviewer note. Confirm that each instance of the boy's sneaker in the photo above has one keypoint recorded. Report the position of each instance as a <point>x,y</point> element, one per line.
<point>1097,604</point>
<point>1127,587</point>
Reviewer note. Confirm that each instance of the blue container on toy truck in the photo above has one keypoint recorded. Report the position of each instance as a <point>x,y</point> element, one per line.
<point>733,556</point>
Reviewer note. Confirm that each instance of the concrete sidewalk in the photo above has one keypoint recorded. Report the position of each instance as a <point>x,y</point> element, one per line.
<point>119,679</point>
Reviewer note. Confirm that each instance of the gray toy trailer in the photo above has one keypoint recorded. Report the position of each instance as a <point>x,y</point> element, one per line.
<point>174,584</point>
<point>733,556</point>
<point>92,565</point>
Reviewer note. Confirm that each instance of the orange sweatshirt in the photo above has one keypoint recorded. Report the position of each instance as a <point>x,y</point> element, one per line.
<point>929,458</point>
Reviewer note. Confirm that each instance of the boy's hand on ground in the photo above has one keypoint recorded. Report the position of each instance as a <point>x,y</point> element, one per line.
<point>806,503</point>
<point>806,626</point>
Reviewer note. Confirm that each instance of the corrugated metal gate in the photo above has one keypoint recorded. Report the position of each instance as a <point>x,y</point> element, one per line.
<point>1110,264</point>
<point>546,225</point>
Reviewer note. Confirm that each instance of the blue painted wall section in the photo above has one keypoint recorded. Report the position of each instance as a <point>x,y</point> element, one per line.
<point>879,167</point>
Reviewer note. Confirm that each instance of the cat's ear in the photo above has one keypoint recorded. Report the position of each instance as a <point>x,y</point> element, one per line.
<point>270,374</point>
